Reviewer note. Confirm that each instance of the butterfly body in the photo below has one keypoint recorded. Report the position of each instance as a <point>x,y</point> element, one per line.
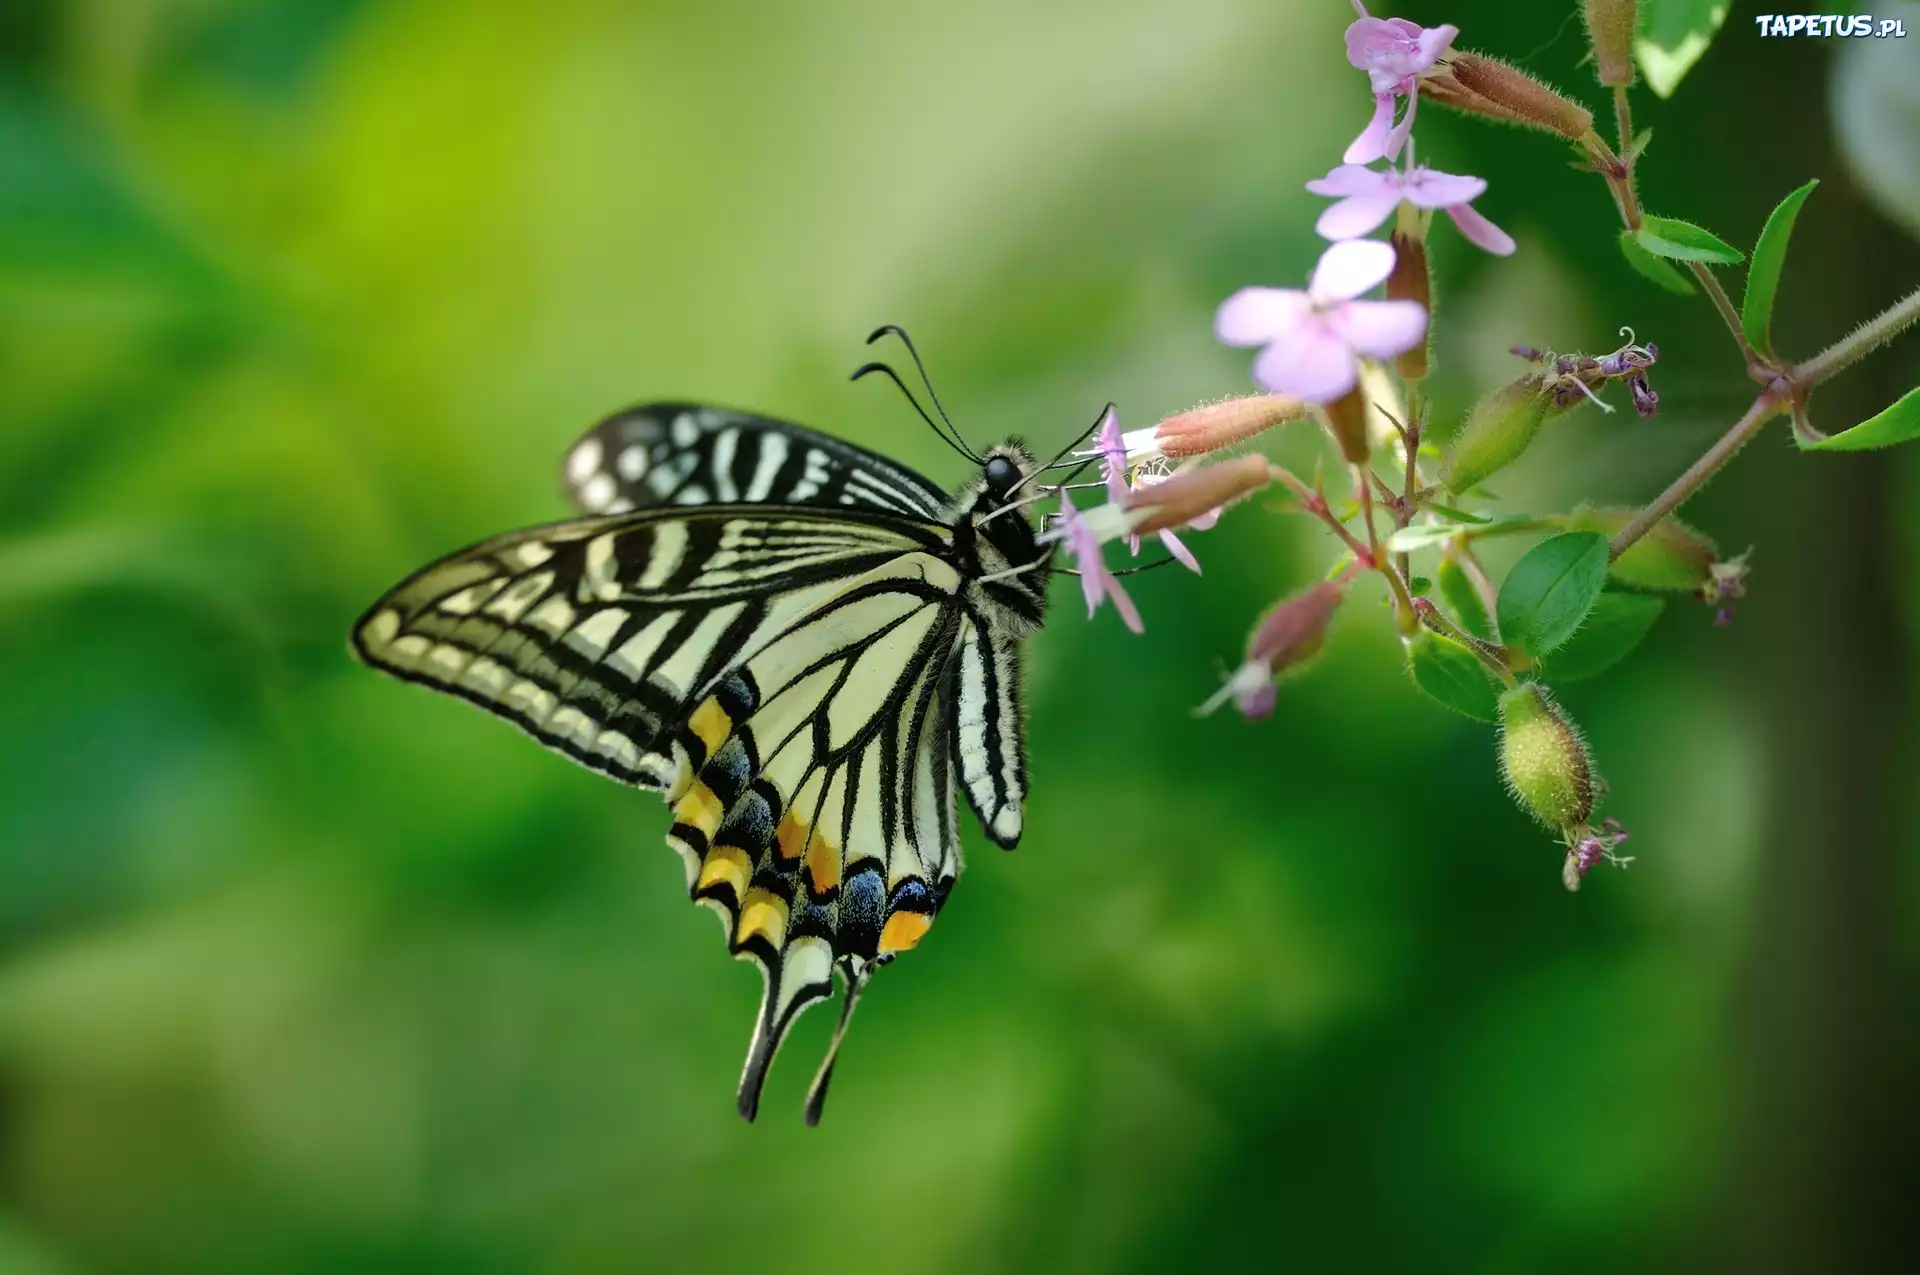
<point>805,647</point>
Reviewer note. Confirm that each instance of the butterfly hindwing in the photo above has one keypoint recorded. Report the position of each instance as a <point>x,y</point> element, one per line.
<point>691,454</point>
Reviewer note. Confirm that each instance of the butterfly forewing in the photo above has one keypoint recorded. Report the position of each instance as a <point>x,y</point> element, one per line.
<point>688,454</point>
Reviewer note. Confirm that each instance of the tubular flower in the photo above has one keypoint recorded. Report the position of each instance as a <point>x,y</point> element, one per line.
<point>1396,54</point>
<point>1113,465</point>
<point>1097,583</point>
<point>1368,197</point>
<point>1314,339</point>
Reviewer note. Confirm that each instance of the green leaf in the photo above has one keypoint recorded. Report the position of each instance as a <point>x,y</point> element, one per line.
<point>1897,424</point>
<point>1550,590</point>
<point>1419,586</point>
<point>1457,515</point>
<point>1654,268</point>
<point>1450,673</point>
<point>1763,273</point>
<point>1456,586</point>
<point>1674,34</point>
<point>1683,241</point>
<point>1639,147</point>
<point>1617,624</point>
<point>1422,535</point>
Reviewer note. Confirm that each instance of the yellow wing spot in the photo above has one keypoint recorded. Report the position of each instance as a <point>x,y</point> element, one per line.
<point>823,863</point>
<point>763,914</point>
<point>710,724</point>
<point>793,836</point>
<point>700,808</point>
<point>725,865</point>
<point>903,930</point>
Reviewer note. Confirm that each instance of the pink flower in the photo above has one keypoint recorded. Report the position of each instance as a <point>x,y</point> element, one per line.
<point>1394,53</point>
<point>1315,338</point>
<point>1113,464</point>
<point>1368,197</point>
<point>1096,582</point>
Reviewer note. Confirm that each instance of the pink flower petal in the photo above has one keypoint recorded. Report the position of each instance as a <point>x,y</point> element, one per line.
<point>1480,232</point>
<point>1356,215</point>
<point>1313,363</point>
<point>1397,136</point>
<point>1255,316</point>
<point>1179,552</point>
<point>1349,268</point>
<point>1429,189</point>
<point>1206,520</point>
<point>1113,455</point>
<point>1129,613</point>
<point>1355,179</point>
<point>1379,329</point>
<point>1372,142</point>
<point>1434,44</point>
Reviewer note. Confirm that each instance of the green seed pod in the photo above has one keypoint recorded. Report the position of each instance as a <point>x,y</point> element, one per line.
<point>1610,31</point>
<point>1672,557</point>
<point>1543,759</point>
<point>1500,428</point>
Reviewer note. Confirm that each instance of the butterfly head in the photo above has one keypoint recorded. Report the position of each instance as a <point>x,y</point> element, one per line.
<point>995,531</point>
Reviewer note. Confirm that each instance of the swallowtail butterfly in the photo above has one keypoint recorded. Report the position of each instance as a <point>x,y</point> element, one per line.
<point>806,647</point>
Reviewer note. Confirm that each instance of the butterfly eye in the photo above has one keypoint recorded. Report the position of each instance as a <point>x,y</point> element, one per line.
<point>1002,475</point>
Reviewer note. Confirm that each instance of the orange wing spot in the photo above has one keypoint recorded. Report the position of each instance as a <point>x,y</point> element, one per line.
<point>793,836</point>
<point>763,914</point>
<point>700,808</point>
<point>725,864</point>
<point>823,863</point>
<point>711,724</point>
<point>903,930</point>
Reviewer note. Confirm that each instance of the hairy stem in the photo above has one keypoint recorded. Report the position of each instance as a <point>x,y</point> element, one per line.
<point>1854,346</point>
<point>1623,116</point>
<point>1724,305</point>
<point>1764,409</point>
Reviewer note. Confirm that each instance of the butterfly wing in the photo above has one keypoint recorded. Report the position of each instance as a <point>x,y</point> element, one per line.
<point>784,675</point>
<point>690,454</point>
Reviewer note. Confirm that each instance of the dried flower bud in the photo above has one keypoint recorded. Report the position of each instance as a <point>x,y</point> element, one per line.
<point>1289,634</point>
<point>1519,96</point>
<point>1726,587</point>
<point>1670,557</point>
<point>1212,426</point>
<point>1543,759</point>
<point>1411,280</point>
<point>1500,428</point>
<point>1610,32</point>
<point>1347,422</point>
<point>1587,850</point>
<point>1190,494</point>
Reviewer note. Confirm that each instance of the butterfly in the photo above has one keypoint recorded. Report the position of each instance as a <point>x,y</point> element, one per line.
<point>806,647</point>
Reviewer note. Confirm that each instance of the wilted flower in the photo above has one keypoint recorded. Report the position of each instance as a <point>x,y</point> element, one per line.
<point>1314,338</point>
<point>1368,197</point>
<point>1588,849</point>
<point>1395,54</point>
<point>1290,633</point>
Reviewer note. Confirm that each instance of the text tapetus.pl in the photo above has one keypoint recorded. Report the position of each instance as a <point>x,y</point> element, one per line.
<point>1830,25</point>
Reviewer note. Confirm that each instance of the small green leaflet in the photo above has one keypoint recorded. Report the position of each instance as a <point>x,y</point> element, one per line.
<point>1897,424</point>
<point>1683,241</point>
<point>1763,272</point>
<point>1456,587</point>
<point>1652,267</point>
<point>1550,590</point>
<point>1618,623</point>
<point>1674,34</point>
<point>1450,673</point>
<point>1427,534</point>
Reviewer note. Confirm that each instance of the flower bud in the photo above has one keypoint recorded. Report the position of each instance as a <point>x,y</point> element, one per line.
<point>1520,95</point>
<point>1212,426</point>
<point>1191,494</point>
<point>1610,32</point>
<point>1671,557</point>
<point>1543,758</point>
<point>1347,422</point>
<point>1411,281</point>
<point>1500,428</point>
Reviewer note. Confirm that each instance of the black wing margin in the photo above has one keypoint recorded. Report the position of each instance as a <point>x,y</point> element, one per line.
<point>693,454</point>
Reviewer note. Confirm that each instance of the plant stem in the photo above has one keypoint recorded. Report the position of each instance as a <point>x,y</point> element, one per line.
<point>1850,348</point>
<point>1477,574</point>
<point>1439,623</point>
<point>1623,116</point>
<point>1764,409</point>
<point>1724,304</point>
<point>1316,504</point>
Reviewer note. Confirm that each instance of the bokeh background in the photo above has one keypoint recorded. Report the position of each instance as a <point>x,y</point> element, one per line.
<point>302,970</point>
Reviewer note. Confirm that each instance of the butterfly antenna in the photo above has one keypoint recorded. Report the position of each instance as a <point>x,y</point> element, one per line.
<point>933,425</point>
<point>1060,456</point>
<point>894,329</point>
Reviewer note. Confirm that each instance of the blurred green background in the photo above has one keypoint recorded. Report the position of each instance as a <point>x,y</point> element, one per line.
<point>303,970</point>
